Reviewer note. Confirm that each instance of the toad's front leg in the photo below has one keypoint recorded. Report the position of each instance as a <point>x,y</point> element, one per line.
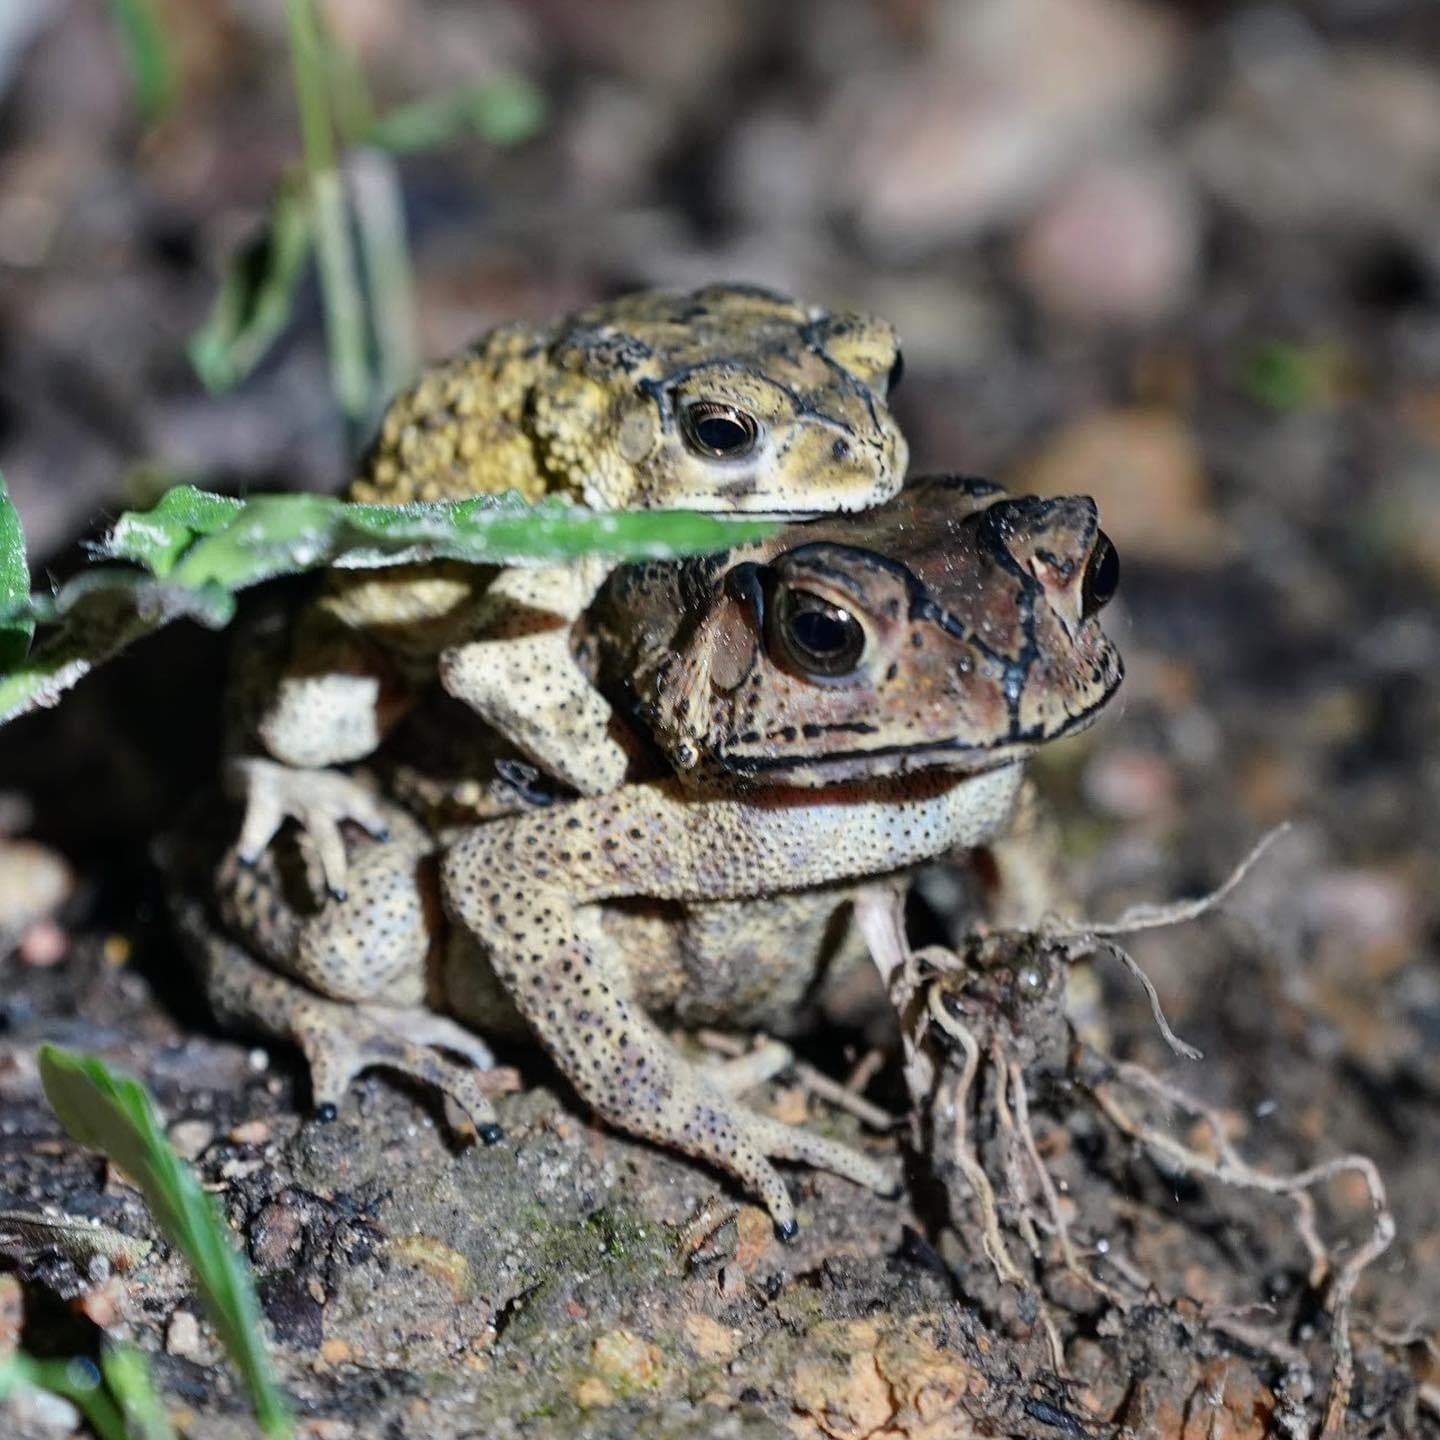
<point>519,674</point>
<point>520,886</point>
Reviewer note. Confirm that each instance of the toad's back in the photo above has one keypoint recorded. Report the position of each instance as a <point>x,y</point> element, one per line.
<point>583,407</point>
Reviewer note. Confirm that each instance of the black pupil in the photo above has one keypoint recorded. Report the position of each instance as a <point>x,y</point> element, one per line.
<point>1102,576</point>
<point>722,433</point>
<point>825,633</point>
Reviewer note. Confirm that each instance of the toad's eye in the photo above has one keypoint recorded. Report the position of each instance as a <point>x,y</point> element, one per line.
<point>1102,575</point>
<point>719,431</point>
<point>814,636</point>
<point>897,372</point>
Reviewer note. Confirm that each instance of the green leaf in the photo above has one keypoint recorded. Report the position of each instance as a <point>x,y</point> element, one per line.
<point>156,538</point>
<point>113,1114</point>
<point>504,112</point>
<point>16,626</point>
<point>257,293</point>
<point>99,612</point>
<point>187,556</point>
<point>152,71</point>
<point>194,538</point>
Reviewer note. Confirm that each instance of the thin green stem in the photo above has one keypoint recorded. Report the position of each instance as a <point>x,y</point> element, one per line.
<point>380,220</point>
<point>152,66</point>
<point>306,60</point>
<point>339,284</point>
<point>350,100</point>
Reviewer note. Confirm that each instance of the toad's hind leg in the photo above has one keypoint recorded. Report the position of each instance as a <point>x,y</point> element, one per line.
<point>571,986</point>
<point>338,1040</point>
<point>373,944</point>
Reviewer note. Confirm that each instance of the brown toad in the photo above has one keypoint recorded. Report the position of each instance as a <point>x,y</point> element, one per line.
<point>843,702</point>
<point>726,398</point>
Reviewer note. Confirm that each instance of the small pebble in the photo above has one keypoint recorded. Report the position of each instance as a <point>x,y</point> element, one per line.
<point>1130,784</point>
<point>732,1282</point>
<point>191,1137</point>
<point>1116,243</point>
<point>182,1336</point>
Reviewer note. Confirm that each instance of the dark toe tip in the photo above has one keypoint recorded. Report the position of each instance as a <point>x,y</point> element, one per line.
<point>786,1230</point>
<point>327,1113</point>
<point>491,1134</point>
<point>893,1193</point>
<point>339,892</point>
<point>381,833</point>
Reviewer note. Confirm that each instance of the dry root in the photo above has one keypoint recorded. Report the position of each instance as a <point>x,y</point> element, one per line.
<point>973,1028</point>
<point>1224,1165</point>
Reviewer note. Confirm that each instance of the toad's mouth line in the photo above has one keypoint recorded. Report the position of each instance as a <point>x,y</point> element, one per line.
<point>883,760</point>
<point>962,757</point>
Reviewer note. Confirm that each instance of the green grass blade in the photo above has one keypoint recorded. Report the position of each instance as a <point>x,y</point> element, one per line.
<point>341,296</point>
<point>352,108</point>
<point>127,1375</point>
<point>76,1380</point>
<point>113,1114</point>
<point>16,625</point>
<point>340,293</point>
<point>257,293</point>
<point>152,69</point>
<point>375,196</point>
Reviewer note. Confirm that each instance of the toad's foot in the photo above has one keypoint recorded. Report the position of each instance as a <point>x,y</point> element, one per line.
<point>319,800</point>
<point>338,1040</point>
<point>650,1090</point>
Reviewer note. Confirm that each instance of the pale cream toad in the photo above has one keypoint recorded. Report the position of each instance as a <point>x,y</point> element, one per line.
<point>844,702</point>
<point>727,398</point>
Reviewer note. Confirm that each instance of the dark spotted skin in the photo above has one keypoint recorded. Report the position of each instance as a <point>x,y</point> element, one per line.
<point>978,644</point>
<point>591,407</point>
<point>786,789</point>
<point>519,886</point>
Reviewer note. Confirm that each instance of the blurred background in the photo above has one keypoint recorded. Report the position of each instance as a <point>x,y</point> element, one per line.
<point>1183,257</point>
